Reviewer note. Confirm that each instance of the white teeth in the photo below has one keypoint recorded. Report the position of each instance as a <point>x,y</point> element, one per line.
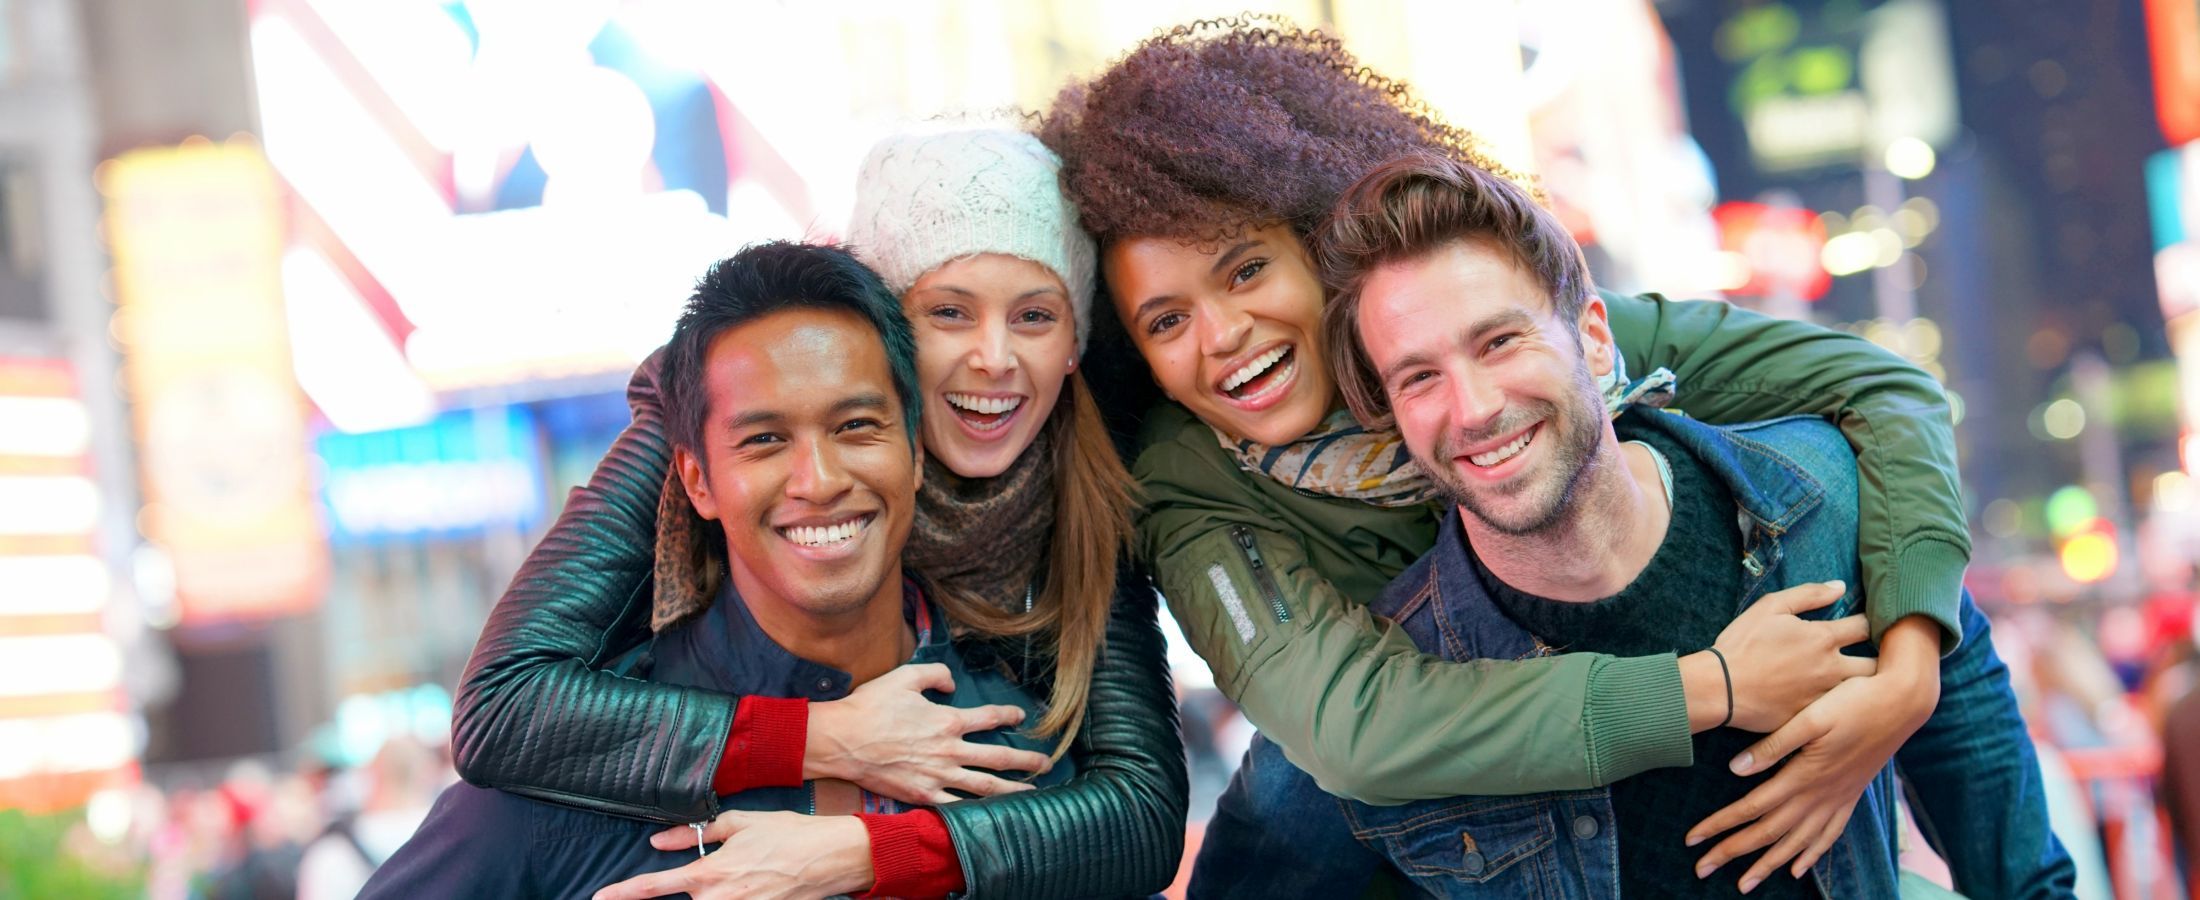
<point>1253,369</point>
<point>990,405</point>
<point>1486,460</point>
<point>820,535</point>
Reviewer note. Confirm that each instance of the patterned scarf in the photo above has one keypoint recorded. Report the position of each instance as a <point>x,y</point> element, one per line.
<point>1342,458</point>
<point>1339,458</point>
<point>986,536</point>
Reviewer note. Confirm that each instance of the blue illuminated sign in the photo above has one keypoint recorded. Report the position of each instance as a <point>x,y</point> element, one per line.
<point>463,474</point>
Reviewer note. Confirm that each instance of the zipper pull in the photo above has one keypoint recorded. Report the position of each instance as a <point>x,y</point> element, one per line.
<point>1252,554</point>
<point>1244,538</point>
<point>1027,638</point>
<point>700,853</point>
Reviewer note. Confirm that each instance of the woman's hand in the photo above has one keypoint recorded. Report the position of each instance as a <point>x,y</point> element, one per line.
<point>1776,661</point>
<point>1845,738</point>
<point>888,738</point>
<point>761,856</point>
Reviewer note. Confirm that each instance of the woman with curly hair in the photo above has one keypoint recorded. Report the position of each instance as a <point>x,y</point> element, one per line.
<point>1201,162</point>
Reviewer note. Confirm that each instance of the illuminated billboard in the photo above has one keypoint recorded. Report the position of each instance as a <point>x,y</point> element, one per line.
<point>2173,36</point>
<point>1832,85</point>
<point>462,474</point>
<point>64,732</point>
<point>196,234</point>
<point>490,193</point>
<point>1780,248</point>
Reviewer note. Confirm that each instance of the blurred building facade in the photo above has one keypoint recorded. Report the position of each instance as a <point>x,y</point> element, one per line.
<point>1968,177</point>
<point>76,667</point>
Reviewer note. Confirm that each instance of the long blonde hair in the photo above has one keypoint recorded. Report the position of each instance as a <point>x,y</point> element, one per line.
<point>1094,499</point>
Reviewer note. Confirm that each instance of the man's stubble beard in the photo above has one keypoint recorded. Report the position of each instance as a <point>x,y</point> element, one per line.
<point>842,594</point>
<point>1574,457</point>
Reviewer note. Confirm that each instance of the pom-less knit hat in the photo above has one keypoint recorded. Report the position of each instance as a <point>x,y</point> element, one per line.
<point>926,198</point>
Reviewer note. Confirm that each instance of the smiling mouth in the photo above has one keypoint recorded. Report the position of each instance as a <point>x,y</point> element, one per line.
<point>828,535</point>
<point>984,413</point>
<point>1494,458</point>
<point>1262,374</point>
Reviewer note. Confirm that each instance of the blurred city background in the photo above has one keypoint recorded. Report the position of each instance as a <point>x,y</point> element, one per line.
<point>312,311</point>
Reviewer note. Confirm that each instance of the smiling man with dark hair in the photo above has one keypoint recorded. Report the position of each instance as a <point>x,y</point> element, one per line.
<point>779,574</point>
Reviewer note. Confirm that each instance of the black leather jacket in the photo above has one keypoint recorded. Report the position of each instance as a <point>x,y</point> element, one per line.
<point>535,716</point>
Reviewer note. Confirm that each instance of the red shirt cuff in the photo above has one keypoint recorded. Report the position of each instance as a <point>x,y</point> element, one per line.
<point>764,748</point>
<point>911,855</point>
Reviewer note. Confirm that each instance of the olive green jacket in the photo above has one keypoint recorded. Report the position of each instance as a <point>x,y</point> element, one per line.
<point>1269,583</point>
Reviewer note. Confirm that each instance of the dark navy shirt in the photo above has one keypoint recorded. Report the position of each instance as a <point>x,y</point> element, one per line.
<point>481,842</point>
<point>1679,603</point>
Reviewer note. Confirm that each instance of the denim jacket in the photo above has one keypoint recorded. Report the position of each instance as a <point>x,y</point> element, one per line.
<point>1795,481</point>
<point>1970,771</point>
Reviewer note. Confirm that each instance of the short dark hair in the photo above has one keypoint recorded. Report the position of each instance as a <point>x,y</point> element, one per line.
<point>1411,206</point>
<point>773,277</point>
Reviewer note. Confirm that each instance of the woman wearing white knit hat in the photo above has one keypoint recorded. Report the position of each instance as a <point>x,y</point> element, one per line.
<point>971,229</point>
<point>1023,520</point>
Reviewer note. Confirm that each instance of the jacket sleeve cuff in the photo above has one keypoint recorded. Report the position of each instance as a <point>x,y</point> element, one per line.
<point>1636,717</point>
<point>1927,581</point>
<point>911,856</point>
<point>764,747</point>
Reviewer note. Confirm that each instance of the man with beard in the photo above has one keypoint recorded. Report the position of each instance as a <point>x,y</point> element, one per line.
<point>1463,315</point>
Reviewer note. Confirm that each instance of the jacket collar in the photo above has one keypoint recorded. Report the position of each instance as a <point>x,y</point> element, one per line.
<point>1773,488</point>
<point>725,649</point>
<point>688,568</point>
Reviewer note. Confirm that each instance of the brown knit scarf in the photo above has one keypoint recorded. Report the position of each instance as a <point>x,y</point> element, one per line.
<point>986,536</point>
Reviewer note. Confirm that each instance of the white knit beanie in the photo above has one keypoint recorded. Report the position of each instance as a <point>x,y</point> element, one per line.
<point>925,199</point>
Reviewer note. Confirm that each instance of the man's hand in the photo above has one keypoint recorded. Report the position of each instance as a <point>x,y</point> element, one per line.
<point>1778,661</point>
<point>1845,738</point>
<point>761,856</point>
<point>888,738</point>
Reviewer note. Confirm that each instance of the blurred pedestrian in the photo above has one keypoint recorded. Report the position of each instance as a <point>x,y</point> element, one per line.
<point>398,784</point>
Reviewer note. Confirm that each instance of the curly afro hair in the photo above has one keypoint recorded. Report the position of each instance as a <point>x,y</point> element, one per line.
<point>1222,124</point>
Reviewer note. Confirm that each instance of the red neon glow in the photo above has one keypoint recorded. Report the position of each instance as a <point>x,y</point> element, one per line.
<point>2173,32</point>
<point>1782,245</point>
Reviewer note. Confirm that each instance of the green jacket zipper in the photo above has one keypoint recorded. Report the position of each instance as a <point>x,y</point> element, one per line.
<point>1267,581</point>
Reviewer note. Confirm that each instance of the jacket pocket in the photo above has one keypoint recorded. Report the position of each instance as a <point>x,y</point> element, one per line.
<point>1466,847</point>
<point>1263,578</point>
<point>1225,593</point>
